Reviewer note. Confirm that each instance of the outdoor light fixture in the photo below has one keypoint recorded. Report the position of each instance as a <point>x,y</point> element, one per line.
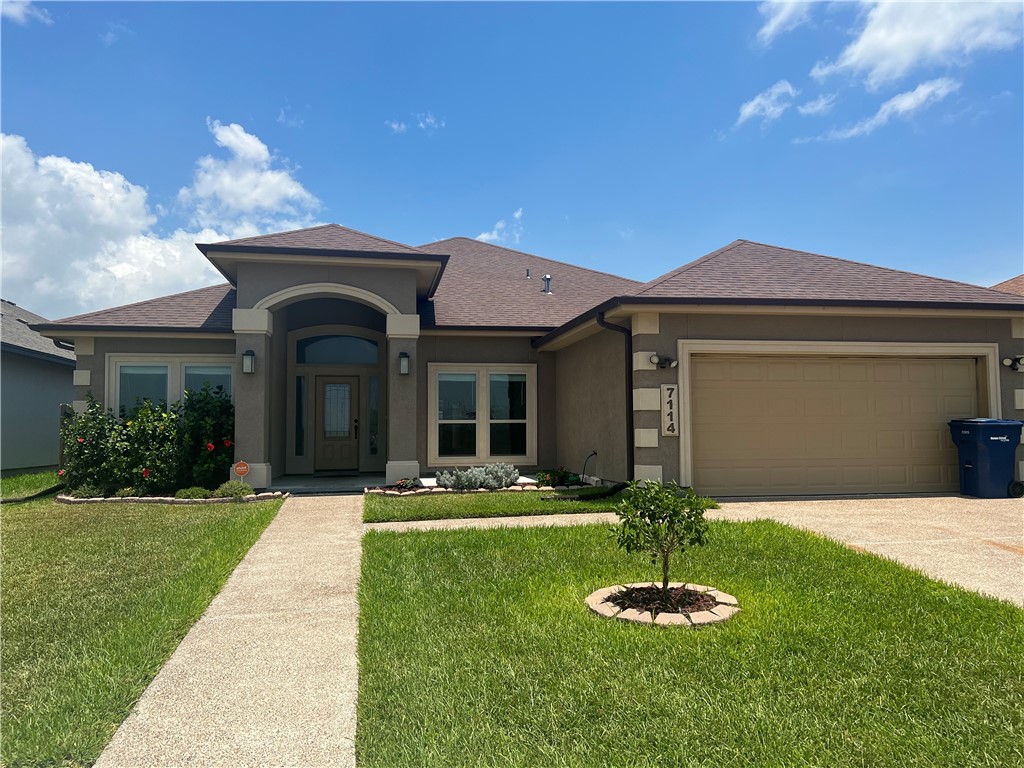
<point>248,361</point>
<point>403,363</point>
<point>1014,363</point>
<point>663,362</point>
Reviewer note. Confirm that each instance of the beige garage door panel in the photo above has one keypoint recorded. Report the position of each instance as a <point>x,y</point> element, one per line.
<point>780,425</point>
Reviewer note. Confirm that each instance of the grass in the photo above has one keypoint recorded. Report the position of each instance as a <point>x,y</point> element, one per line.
<point>20,486</point>
<point>378,508</point>
<point>95,599</point>
<point>475,649</point>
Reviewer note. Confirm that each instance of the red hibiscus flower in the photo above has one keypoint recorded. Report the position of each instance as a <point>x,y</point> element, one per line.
<point>145,472</point>
<point>209,446</point>
<point>81,439</point>
<point>60,472</point>
<point>227,443</point>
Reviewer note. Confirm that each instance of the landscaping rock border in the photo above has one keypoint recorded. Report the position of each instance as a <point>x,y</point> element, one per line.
<point>267,496</point>
<point>726,606</point>
<point>435,489</point>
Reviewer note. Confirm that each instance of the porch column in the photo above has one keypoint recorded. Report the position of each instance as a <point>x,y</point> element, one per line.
<point>403,331</point>
<point>253,328</point>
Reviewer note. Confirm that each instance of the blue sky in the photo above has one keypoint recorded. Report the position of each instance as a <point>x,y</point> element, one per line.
<point>623,137</point>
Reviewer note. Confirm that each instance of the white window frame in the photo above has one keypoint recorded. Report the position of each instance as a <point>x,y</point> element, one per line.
<point>175,373</point>
<point>483,410</point>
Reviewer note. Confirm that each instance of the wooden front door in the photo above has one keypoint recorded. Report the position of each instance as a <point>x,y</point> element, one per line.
<point>337,423</point>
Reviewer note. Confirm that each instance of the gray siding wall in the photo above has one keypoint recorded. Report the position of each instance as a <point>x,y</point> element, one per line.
<point>811,328</point>
<point>278,392</point>
<point>482,350</point>
<point>33,391</point>
<point>590,399</point>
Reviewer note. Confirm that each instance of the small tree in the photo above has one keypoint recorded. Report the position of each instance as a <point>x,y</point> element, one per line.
<point>660,520</point>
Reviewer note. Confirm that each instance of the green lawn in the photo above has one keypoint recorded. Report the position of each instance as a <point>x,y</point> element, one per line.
<point>445,506</point>
<point>19,486</point>
<point>95,599</point>
<point>475,649</point>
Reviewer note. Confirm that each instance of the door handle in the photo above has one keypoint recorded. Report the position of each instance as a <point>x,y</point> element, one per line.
<point>355,424</point>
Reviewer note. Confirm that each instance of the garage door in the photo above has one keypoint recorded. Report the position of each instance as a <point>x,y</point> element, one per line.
<point>819,425</point>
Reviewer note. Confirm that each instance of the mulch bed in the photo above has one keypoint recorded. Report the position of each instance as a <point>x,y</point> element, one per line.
<point>654,600</point>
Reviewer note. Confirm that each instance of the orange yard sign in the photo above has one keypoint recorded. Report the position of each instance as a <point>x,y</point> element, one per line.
<point>241,469</point>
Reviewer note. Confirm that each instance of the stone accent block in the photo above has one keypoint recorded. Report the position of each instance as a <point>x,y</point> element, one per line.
<point>698,587</point>
<point>704,617</point>
<point>631,614</point>
<point>672,619</point>
<point>721,597</point>
<point>725,611</point>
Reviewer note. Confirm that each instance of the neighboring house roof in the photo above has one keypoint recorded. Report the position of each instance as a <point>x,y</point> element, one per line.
<point>326,237</point>
<point>1013,285</point>
<point>16,336</point>
<point>206,310</point>
<point>485,286</point>
<point>759,273</point>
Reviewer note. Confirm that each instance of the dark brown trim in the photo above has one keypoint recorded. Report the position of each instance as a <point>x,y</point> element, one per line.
<point>84,329</point>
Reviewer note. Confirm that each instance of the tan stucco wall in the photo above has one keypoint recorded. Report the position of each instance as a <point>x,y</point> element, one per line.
<point>590,398</point>
<point>96,363</point>
<point>810,328</point>
<point>483,350</point>
<point>257,281</point>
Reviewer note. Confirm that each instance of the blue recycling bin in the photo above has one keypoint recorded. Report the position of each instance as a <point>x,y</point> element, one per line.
<point>988,451</point>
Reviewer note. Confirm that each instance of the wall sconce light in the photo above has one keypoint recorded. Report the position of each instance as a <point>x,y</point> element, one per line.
<point>248,361</point>
<point>664,362</point>
<point>403,363</point>
<point>1014,363</point>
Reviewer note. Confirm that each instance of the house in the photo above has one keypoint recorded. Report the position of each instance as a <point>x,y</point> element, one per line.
<point>1013,285</point>
<point>35,379</point>
<point>754,370</point>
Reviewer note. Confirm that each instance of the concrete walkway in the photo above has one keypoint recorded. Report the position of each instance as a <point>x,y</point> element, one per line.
<point>975,543</point>
<point>268,676</point>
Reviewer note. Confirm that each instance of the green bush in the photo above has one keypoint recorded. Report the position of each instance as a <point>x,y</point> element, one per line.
<point>87,491</point>
<point>195,492</point>
<point>233,489</point>
<point>153,449</point>
<point>124,493</point>
<point>660,520</point>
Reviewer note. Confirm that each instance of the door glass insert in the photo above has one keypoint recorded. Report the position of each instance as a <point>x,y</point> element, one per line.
<point>337,410</point>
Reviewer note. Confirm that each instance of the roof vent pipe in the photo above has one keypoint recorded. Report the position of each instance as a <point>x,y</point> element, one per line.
<point>547,284</point>
<point>527,273</point>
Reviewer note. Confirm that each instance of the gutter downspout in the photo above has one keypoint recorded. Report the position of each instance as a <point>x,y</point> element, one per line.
<point>628,339</point>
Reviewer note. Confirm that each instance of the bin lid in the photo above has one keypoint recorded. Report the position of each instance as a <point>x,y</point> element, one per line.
<point>988,422</point>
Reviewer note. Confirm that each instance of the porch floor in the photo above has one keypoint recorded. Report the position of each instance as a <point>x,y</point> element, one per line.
<point>307,485</point>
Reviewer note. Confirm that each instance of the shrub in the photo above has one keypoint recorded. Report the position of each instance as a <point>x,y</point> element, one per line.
<point>560,476</point>
<point>490,476</point>
<point>233,489</point>
<point>407,484</point>
<point>195,492</point>
<point>85,438</point>
<point>207,436</point>
<point>660,520</point>
<point>87,491</point>
<point>123,493</point>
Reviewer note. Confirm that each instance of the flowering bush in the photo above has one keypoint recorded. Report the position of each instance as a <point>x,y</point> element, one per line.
<point>152,449</point>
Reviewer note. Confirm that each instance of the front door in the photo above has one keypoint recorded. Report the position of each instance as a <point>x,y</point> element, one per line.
<point>337,423</point>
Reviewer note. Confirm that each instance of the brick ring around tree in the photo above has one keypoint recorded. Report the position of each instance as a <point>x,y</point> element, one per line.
<point>725,607</point>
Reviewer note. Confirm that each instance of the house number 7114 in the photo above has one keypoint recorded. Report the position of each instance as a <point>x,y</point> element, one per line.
<point>669,410</point>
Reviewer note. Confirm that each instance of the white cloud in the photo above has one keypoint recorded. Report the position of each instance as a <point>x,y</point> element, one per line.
<point>114,32</point>
<point>24,11</point>
<point>769,104</point>
<point>77,238</point>
<point>818,106</point>
<point>428,123</point>
<point>900,36</point>
<point>503,233</point>
<point>288,118</point>
<point>780,17</point>
<point>244,187</point>
<point>902,105</point>
<point>395,126</point>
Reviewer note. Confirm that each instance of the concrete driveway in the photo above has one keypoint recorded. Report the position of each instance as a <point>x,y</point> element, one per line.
<point>976,543</point>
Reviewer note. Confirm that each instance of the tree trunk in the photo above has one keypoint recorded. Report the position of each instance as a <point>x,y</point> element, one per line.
<point>664,573</point>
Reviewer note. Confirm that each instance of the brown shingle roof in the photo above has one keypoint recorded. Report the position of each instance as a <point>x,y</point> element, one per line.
<point>327,237</point>
<point>17,336</point>
<point>745,270</point>
<point>485,285</point>
<point>1013,285</point>
<point>205,309</point>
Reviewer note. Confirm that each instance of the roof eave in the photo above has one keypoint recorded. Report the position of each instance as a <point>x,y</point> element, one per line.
<point>35,354</point>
